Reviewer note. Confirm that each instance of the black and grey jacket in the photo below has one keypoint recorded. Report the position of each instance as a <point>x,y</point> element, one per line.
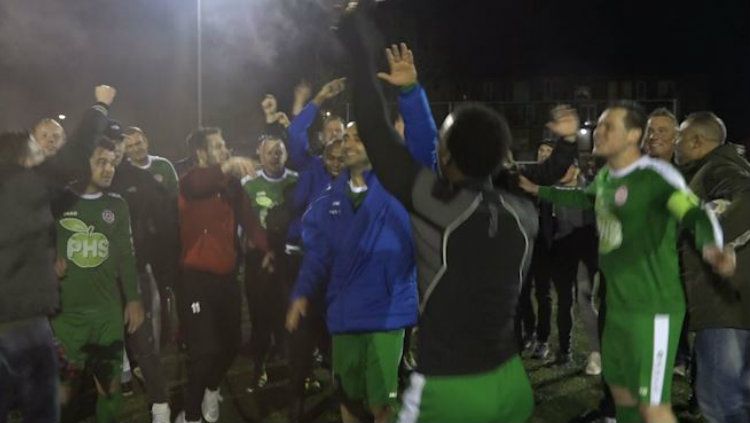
<point>28,285</point>
<point>474,242</point>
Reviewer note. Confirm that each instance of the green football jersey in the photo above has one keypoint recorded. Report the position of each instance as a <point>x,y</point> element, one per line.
<point>93,235</point>
<point>266,192</point>
<point>638,210</point>
<point>163,172</point>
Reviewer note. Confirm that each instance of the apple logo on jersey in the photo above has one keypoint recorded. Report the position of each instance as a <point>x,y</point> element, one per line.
<point>621,195</point>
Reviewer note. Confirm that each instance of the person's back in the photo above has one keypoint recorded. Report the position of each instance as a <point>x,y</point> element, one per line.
<point>486,236</point>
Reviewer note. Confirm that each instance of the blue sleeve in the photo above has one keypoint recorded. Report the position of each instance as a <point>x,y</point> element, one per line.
<point>420,129</point>
<point>316,264</point>
<point>298,143</point>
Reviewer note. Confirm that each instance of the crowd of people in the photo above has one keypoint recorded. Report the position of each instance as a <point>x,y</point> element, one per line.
<point>353,240</point>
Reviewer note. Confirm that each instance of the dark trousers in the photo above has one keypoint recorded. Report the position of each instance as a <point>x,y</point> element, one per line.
<point>567,253</point>
<point>310,334</point>
<point>210,307</point>
<point>267,299</point>
<point>29,371</point>
<point>607,403</point>
<point>541,270</point>
<point>142,348</point>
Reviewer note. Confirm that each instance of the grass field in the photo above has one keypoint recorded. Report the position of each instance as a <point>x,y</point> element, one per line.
<point>560,394</point>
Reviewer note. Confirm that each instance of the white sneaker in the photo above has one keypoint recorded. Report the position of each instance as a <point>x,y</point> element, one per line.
<point>210,405</point>
<point>181,419</point>
<point>594,364</point>
<point>160,413</point>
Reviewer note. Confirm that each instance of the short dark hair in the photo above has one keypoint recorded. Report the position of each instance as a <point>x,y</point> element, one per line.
<point>664,112</point>
<point>105,143</point>
<point>711,125</point>
<point>635,115</point>
<point>14,146</point>
<point>479,140</point>
<point>198,139</point>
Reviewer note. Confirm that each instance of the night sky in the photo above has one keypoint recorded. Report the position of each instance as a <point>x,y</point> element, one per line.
<point>53,52</point>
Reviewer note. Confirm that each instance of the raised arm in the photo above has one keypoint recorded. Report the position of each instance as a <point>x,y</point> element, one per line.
<point>420,131</point>
<point>299,144</point>
<point>393,164</point>
<point>72,160</point>
<point>564,124</point>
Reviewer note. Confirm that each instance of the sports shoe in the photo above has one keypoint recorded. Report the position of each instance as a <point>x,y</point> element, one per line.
<point>259,383</point>
<point>160,413</point>
<point>210,405</point>
<point>312,385</point>
<point>594,364</point>
<point>541,351</point>
<point>181,419</point>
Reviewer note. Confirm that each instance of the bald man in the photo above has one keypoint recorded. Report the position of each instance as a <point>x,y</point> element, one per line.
<point>719,308</point>
<point>50,135</point>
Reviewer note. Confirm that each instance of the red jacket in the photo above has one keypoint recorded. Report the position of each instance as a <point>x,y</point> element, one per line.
<point>212,205</point>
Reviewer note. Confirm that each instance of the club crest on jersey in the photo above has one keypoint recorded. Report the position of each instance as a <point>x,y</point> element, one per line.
<point>159,178</point>
<point>621,196</point>
<point>108,216</point>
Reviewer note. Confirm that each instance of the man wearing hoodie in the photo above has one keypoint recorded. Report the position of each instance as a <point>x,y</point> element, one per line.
<point>719,309</point>
<point>29,292</point>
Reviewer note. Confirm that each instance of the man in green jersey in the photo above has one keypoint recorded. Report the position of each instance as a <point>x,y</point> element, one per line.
<point>266,292</point>
<point>94,240</point>
<point>136,148</point>
<point>639,202</point>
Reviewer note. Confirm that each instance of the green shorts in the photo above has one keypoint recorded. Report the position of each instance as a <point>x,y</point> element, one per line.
<point>366,365</point>
<point>500,395</point>
<point>93,341</point>
<point>638,353</point>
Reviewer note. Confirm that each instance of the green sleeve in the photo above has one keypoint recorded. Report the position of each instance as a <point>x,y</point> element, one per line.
<point>569,197</point>
<point>701,222</point>
<point>125,255</point>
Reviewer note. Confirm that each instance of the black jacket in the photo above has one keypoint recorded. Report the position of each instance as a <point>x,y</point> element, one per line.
<point>153,215</point>
<point>721,179</point>
<point>474,242</point>
<point>28,285</point>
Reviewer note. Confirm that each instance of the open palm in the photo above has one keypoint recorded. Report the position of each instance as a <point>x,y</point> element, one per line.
<point>403,72</point>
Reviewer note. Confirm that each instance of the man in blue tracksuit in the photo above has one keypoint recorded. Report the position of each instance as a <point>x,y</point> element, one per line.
<point>317,173</point>
<point>358,247</point>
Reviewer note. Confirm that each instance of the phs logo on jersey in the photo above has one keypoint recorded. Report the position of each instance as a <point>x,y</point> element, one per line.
<point>85,248</point>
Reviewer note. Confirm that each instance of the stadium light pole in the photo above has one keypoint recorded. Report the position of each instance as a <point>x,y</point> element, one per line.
<point>200,62</point>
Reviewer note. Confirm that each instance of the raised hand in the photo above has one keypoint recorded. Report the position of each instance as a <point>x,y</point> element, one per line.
<point>403,72</point>
<point>105,94</point>
<point>239,167</point>
<point>565,122</point>
<point>302,92</point>
<point>269,105</point>
<point>330,90</point>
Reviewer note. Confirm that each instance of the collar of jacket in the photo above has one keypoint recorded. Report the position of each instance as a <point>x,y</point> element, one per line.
<point>341,183</point>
